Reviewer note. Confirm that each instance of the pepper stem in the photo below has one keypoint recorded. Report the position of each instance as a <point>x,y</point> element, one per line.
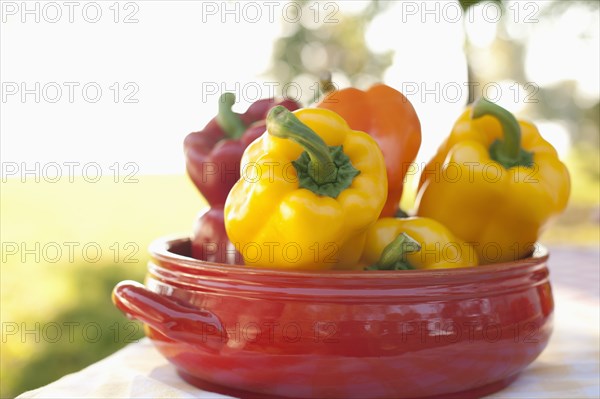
<point>284,124</point>
<point>507,152</point>
<point>394,254</point>
<point>326,84</point>
<point>400,214</point>
<point>324,170</point>
<point>229,121</point>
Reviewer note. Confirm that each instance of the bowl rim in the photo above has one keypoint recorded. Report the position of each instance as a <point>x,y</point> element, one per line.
<point>160,250</point>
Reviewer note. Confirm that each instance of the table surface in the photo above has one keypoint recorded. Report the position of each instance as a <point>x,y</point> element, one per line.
<point>568,368</point>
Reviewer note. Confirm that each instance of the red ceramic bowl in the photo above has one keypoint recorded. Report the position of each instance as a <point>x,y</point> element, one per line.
<point>378,334</point>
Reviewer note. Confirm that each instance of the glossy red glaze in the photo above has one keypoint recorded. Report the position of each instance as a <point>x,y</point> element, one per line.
<point>380,334</point>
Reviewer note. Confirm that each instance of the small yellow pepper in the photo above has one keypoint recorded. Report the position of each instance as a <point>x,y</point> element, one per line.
<point>310,188</point>
<point>494,182</point>
<point>414,243</point>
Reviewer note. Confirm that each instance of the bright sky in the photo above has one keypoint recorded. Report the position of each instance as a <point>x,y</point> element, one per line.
<point>175,61</point>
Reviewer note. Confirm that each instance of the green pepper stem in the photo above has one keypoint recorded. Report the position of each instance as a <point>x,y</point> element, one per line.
<point>229,121</point>
<point>326,84</point>
<point>400,214</point>
<point>284,124</point>
<point>507,152</point>
<point>393,256</point>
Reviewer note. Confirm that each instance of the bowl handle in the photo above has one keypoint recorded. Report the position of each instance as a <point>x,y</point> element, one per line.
<point>176,322</point>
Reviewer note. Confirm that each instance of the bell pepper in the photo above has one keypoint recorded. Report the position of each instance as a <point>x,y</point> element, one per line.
<point>310,188</point>
<point>494,182</point>
<point>213,154</point>
<point>388,116</point>
<point>209,239</point>
<point>213,163</point>
<point>414,243</point>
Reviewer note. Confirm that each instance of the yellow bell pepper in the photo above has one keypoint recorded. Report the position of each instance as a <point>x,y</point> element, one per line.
<point>414,243</point>
<point>310,188</point>
<point>494,182</point>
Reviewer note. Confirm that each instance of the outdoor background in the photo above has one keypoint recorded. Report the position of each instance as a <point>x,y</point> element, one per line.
<point>96,100</point>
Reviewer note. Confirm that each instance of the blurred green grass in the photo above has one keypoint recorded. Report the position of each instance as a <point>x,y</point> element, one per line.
<point>67,298</point>
<point>77,291</point>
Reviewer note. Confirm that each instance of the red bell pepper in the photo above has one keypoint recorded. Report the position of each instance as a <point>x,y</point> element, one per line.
<point>210,241</point>
<point>213,154</point>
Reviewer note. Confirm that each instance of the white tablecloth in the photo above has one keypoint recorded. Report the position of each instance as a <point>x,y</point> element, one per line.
<point>568,368</point>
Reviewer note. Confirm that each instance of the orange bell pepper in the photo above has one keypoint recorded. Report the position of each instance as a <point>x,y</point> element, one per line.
<point>388,116</point>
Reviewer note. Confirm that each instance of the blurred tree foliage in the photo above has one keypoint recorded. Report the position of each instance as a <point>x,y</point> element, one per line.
<point>465,4</point>
<point>333,42</point>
